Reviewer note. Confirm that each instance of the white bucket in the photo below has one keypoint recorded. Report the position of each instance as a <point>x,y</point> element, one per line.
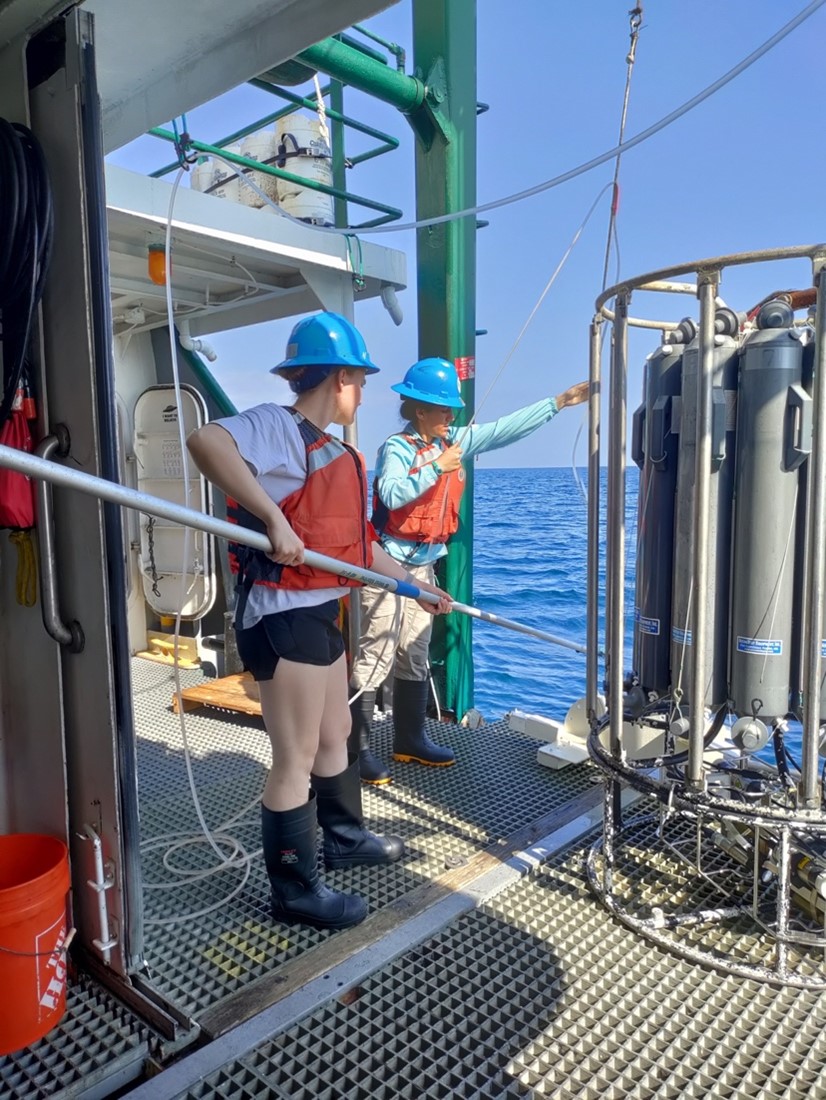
<point>259,146</point>
<point>202,174</point>
<point>300,132</point>
<point>225,182</point>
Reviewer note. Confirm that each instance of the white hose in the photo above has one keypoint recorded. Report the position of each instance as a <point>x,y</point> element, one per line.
<point>230,852</point>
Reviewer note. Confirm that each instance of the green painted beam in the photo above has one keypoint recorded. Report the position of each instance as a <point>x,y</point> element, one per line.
<point>352,67</point>
<point>208,382</point>
<point>444,36</point>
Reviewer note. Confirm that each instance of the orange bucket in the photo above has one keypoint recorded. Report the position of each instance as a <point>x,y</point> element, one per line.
<point>34,881</point>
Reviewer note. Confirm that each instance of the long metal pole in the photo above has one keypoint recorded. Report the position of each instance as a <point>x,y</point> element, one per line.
<point>707,283</point>
<point>31,466</point>
<point>816,560</point>
<point>592,630</point>
<point>616,518</point>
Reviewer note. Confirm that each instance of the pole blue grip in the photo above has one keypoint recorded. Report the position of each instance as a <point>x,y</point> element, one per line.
<point>405,589</point>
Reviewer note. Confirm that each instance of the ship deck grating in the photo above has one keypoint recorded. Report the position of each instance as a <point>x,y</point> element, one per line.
<point>539,993</point>
<point>445,815</point>
<point>536,992</point>
<point>97,1046</point>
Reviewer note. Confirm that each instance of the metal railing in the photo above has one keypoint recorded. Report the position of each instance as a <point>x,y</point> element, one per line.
<point>340,121</point>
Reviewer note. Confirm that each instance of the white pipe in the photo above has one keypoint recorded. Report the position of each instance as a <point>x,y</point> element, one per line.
<point>191,343</point>
<point>391,303</point>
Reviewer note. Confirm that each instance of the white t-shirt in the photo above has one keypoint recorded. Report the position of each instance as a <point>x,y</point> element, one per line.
<point>268,439</point>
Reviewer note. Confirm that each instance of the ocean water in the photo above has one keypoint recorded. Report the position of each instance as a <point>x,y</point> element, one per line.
<point>530,546</point>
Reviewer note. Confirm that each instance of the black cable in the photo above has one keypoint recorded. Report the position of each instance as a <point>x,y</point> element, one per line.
<point>26,231</point>
<point>666,760</point>
<point>782,758</point>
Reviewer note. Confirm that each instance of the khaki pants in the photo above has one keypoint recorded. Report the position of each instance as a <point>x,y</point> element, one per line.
<point>394,630</point>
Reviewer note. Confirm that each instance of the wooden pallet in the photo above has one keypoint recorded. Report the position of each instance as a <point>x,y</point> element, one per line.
<point>238,693</point>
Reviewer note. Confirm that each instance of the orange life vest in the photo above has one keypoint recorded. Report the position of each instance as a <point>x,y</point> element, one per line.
<point>431,518</point>
<point>328,513</point>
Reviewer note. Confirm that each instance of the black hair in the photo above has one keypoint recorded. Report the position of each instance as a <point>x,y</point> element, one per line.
<point>304,379</point>
<point>407,410</point>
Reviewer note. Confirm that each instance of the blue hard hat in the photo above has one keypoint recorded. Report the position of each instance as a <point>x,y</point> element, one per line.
<point>324,343</point>
<point>433,382</point>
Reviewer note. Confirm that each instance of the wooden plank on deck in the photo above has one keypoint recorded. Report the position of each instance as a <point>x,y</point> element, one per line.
<point>238,693</point>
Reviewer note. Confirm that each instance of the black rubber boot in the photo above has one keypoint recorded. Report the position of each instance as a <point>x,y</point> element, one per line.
<point>291,855</point>
<point>346,842</point>
<point>411,743</point>
<point>371,769</point>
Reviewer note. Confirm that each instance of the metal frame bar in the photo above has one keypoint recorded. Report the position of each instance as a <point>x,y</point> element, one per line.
<point>594,492</point>
<point>702,495</point>
<point>816,555</point>
<point>388,142</point>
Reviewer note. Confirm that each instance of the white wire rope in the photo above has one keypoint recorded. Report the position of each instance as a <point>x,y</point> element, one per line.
<point>564,177</point>
<point>618,150</point>
<point>586,166</point>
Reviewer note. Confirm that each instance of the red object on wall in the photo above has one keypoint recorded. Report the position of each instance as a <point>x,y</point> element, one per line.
<point>16,490</point>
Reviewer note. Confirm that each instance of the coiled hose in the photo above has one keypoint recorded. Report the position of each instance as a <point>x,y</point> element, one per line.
<point>26,231</point>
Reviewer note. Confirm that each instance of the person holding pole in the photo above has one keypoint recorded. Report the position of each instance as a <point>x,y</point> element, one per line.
<point>285,476</point>
<point>418,485</point>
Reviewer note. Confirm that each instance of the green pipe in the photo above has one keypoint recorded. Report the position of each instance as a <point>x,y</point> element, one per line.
<point>332,112</point>
<point>352,67</point>
<point>362,47</point>
<point>375,221</point>
<point>392,47</point>
<point>360,158</point>
<point>268,169</point>
<point>229,139</point>
<point>207,381</point>
<point>388,141</point>
<point>337,146</point>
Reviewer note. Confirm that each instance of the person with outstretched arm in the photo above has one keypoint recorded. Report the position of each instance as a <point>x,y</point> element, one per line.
<point>419,481</point>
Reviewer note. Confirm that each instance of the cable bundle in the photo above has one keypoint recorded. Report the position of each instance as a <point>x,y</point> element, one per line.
<point>26,227</point>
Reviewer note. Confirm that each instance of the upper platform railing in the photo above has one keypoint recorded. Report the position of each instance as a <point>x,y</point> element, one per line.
<point>338,121</point>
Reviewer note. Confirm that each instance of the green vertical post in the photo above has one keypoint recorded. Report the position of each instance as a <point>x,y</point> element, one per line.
<point>444,40</point>
<point>337,149</point>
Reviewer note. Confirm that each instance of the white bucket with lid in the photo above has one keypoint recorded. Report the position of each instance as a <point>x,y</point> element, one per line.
<point>305,153</point>
<point>225,183</point>
<point>259,146</point>
<point>201,174</point>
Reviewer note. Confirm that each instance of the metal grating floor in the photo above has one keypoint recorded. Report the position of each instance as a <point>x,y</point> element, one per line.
<point>540,994</point>
<point>97,1045</point>
<point>650,874</point>
<point>444,815</point>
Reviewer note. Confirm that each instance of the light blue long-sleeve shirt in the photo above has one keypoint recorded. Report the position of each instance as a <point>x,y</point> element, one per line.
<point>397,486</point>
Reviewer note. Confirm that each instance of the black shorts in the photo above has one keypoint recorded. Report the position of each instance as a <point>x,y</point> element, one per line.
<point>306,635</point>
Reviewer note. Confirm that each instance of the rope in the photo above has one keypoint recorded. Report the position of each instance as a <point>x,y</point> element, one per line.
<point>535,309</point>
<point>322,110</point>
<point>610,154</point>
<point>636,21</point>
<point>26,581</point>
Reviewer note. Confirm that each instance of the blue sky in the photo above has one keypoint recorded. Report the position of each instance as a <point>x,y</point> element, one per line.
<point>742,171</point>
